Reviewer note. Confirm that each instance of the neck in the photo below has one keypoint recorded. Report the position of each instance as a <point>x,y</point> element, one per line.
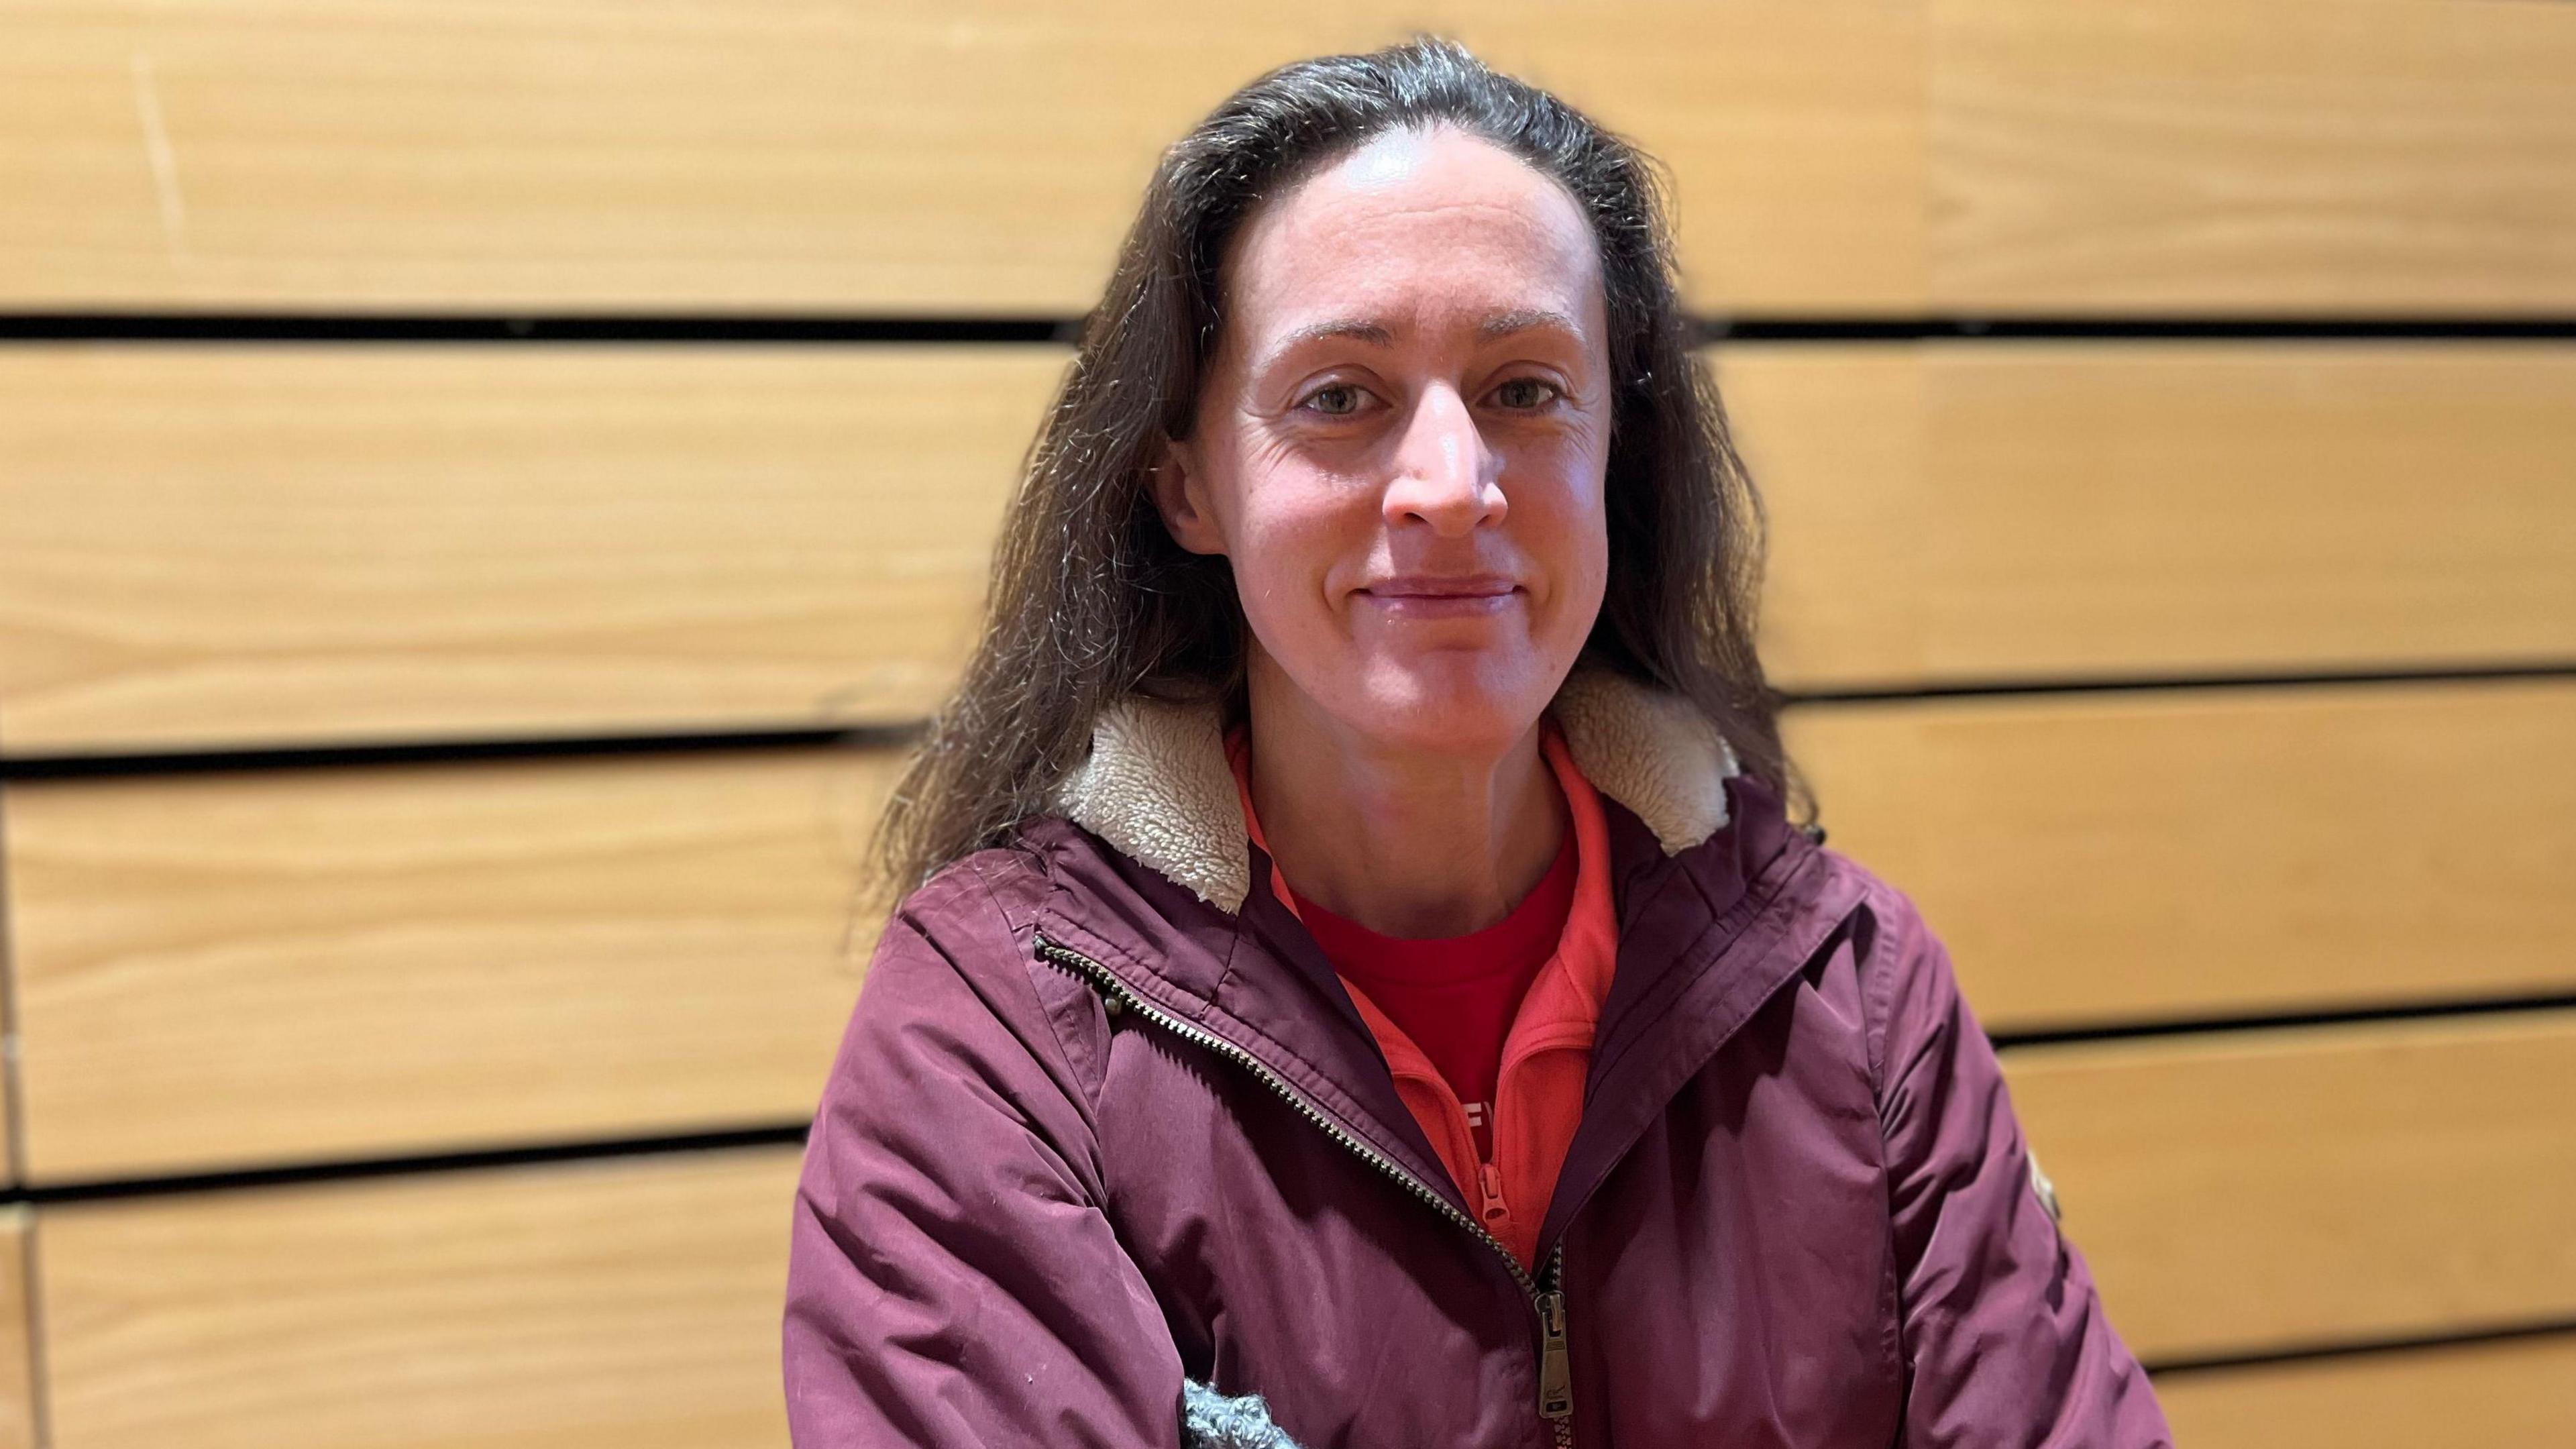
<point>1408,842</point>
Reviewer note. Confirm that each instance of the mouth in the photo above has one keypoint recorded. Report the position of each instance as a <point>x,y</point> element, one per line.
<point>1418,596</point>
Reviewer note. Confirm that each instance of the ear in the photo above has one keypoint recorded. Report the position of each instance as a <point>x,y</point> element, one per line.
<point>1180,495</point>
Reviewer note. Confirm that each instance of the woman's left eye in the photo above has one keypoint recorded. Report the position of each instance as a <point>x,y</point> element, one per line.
<point>1525,392</point>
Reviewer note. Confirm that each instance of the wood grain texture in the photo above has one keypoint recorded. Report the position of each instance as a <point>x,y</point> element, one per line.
<point>1974,512</point>
<point>299,544</point>
<point>2148,155</point>
<point>1834,437</point>
<point>618,1304</point>
<point>2298,157</point>
<point>2472,1396</point>
<point>250,969</point>
<point>2229,1192</point>
<point>2153,855</point>
<point>17,1329</point>
<point>9,1148</point>
<point>271,544</point>
<point>984,157</point>
<point>2301,1187</point>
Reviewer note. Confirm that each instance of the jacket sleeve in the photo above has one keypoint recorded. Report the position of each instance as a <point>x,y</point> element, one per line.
<point>952,1279</point>
<point>2003,1335</point>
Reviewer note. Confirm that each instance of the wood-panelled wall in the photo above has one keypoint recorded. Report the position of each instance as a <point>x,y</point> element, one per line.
<point>484,490</point>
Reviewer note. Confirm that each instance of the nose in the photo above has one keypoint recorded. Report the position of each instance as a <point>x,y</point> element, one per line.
<point>1444,475</point>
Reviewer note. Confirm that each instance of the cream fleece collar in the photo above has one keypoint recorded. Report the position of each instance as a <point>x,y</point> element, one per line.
<point>1157,786</point>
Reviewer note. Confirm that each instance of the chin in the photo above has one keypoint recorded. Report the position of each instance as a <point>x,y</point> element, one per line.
<point>1456,701</point>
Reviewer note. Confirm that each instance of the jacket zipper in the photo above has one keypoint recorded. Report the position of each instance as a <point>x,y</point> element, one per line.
<point>1555,1371</point>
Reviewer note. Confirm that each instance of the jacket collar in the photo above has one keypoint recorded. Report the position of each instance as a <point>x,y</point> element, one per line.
<point>1157,786</point>
<point>1152,874</point>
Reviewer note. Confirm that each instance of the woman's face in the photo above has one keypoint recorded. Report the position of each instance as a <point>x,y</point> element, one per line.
<point>1401,441</point>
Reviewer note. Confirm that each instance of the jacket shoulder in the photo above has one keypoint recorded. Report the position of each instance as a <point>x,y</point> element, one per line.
<point>964,945</point>
<point>987,898</point>
<point>1908,991</point>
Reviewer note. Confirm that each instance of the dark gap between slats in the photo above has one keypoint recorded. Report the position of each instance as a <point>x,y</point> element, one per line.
<point>236,759</point>
<point>356,1169</point>
<point>2358,1348</point>
<point>827,328</point>
<point>2012,688</point>
<point>2431,1009</point>
<point>894,734</point>
<point>469,327</point>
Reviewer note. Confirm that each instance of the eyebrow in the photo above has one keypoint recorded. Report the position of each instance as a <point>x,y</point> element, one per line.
<point>1369,332</point>
<point>1504,324</point>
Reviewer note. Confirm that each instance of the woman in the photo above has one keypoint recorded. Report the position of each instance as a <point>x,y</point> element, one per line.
<point>1358,954</point>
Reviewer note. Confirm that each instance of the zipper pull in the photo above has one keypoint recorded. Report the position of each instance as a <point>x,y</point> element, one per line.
<point>1555,1368</point>
<point>1489,1179</point>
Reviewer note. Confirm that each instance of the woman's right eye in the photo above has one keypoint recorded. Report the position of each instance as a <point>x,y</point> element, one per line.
<point>1337,401</point>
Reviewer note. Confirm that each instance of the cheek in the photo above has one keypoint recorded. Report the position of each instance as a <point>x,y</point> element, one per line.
<point>1565,527</point>
<point>1581,564</point>
<point>1293,533</point>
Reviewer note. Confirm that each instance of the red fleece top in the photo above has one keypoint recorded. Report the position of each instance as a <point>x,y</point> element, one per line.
<point>1505,1161</point>
<point>1455,995</point>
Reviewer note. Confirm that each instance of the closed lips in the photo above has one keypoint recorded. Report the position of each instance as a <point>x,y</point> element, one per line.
<point>1477,594</point>
<point>1441,588</point>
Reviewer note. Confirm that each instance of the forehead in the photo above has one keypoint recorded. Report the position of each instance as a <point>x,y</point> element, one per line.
<point>1436,231</point>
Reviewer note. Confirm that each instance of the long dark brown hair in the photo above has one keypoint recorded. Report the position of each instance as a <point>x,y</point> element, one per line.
<point>1090,597</point>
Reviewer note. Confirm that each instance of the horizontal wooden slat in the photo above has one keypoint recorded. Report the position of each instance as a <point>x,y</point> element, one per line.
<point>983,158</point>
<point>9,1157</point>
<point>2297,156</point>
<point>2226,1192</point>
<point>1972,512</point>
<point>2305,1187</point>
<point>2151,155</point>
<point>253,545</point>
<point>2180,854</point>
<point>283,544</point>
<point>627,1304</point>
<point>2472,1396</point>
<point>242,969</point>
<point>17,1400</point>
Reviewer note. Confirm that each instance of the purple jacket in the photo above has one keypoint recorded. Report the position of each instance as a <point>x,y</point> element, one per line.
<point>1104,1118</point>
